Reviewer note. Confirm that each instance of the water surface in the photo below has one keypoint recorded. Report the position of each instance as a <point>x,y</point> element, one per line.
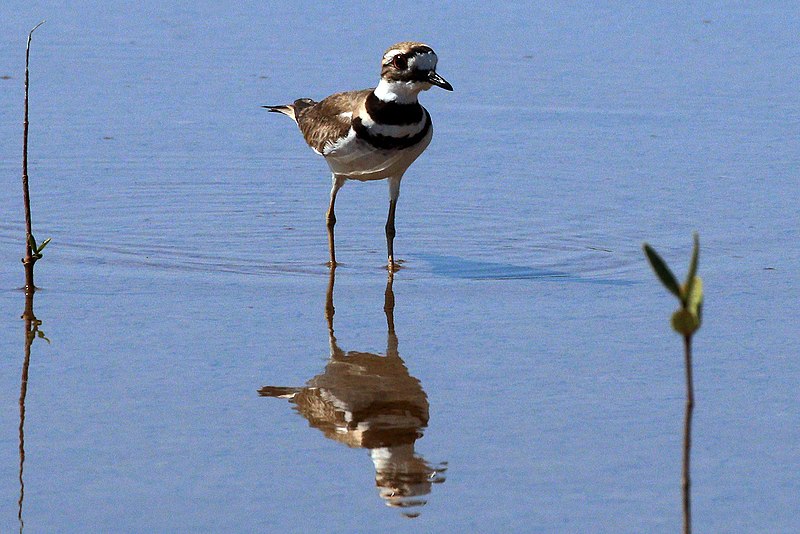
<point>541,383</point>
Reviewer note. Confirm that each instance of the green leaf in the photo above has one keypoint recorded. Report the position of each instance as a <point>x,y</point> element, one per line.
<point>690,276</point>
<point>694,298</point>
<point>32,242</point>
<point>685,322</point>
<point>44,244</point>
<point>662,271</point>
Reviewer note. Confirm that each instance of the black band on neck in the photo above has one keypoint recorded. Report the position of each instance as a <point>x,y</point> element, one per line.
<point>392,112</point>
<point>387,142</point>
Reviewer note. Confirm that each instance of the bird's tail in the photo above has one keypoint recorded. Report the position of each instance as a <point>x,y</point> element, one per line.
<point>291,110</point>
<point>287,110</point>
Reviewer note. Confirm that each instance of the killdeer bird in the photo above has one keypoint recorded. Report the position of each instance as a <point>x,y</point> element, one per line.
<point>373,134</point>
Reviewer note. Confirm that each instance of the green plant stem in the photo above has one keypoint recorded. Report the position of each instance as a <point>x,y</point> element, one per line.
<point>687,437</point>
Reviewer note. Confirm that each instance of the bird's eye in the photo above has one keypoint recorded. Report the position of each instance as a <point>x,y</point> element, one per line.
<point>400,62</point>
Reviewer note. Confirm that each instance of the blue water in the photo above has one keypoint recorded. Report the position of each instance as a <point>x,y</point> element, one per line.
<point>186,271</point>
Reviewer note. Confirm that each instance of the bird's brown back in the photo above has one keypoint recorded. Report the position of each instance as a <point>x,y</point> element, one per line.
<point>324,123</point>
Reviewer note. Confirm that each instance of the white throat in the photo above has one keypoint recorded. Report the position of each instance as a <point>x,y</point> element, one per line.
<point>400,92</point>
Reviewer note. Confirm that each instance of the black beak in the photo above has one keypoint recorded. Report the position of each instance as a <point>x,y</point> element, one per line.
<point>437,80</point>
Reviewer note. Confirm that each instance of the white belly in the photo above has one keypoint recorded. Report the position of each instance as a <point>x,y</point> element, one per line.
<point>355,159</point>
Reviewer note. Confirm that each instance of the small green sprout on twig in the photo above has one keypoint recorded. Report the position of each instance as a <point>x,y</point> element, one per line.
<point>37,250</point>
<point>686,321</point>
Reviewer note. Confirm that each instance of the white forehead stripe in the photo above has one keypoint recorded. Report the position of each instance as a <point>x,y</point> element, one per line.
<point>391,53</point>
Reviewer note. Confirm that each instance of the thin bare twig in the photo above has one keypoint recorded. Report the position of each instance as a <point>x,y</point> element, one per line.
<point>30,259</point>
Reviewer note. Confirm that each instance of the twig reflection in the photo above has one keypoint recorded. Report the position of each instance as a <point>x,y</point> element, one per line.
<point>371,401</point>
<point>32,331</point>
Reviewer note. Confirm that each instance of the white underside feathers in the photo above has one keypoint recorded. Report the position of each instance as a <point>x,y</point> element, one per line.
<point>353,158</point>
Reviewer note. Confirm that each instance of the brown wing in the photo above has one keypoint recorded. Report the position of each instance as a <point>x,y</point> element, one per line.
<point>329,120</point>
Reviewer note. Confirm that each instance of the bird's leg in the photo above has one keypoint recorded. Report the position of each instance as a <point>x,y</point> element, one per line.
<point>394,193</point>
<point>330,217</point>
<point>331,248</point>
<point>390,232</point>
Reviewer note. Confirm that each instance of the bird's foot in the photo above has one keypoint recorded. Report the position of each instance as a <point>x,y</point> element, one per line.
<point>394,265</point>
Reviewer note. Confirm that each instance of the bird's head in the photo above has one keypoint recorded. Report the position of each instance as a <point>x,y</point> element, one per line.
<point>408,68</point>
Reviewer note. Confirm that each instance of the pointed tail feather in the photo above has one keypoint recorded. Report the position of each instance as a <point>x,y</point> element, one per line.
<point>287,110</point>
<point>292,110</point>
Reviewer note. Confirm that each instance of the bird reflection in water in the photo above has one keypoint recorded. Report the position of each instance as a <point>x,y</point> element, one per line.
<point>368,400</point>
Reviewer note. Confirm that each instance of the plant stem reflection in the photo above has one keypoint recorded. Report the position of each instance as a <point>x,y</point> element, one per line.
<point>32,331</point>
